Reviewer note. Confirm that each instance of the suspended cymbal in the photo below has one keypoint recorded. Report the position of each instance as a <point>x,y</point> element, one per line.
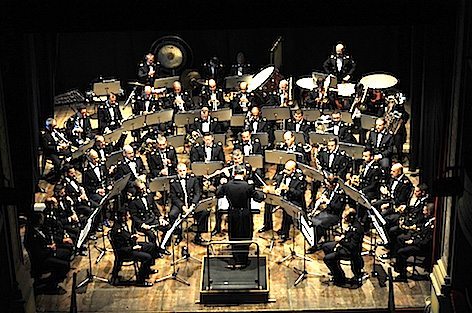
<point>202,81</point>
<point>170,56</point>
<point>136,84</point>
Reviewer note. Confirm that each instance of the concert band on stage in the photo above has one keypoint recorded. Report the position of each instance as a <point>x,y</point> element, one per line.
<point>324,153</point>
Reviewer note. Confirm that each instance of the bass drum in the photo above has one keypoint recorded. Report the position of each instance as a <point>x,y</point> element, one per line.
<point>266,80</point>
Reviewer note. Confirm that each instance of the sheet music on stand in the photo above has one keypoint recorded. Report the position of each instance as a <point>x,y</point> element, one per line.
<point>206,168</point>
<point>161,183</point>
<point>307,230</point>
<point>263,138</point>
<point>185,118</point>
<point>311,172</point>
<point>224,114</point>
<point>165,81</point>
<point>353,150</point>
<point>159,117</point>
<point>232,82</point>
<point>237,120</point>
<point>176,140</point>
<point>368,121</point>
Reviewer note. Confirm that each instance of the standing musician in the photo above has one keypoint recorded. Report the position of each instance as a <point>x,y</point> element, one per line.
<point>348,245</point>
<point>340,129</point>
<point>282,96</point>
<point>241,67</point>
<point>109,115</point>
<point>125,247</point>
<point>145,214</point>
<point>228,173</point>
<point>396,118</point>
<point>333,160</point>
<point>290,184</point>
<point>55,145</point>
<point>95,178</point>
<point>240,224</point>
<point>214,69</point>
<point>147,70</point>
<point>213,97</point>
<point>381,142</point>
<point>340,64</point>
<point>209,151</point>
<point>370,176</point>
<point>205,123</point>
<point>299,124</point>
<point>247,145</point>
<point>243,100</point>
<point>78,126</point>
<point>185,193</point>
<point>163,160</point>
<point>327,210</point>
<point>178,99</point>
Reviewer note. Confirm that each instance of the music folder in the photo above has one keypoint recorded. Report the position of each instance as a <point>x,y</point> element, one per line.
<point>321,138</point>
<point>368,121</point>
<point>255,160</point>
<point>276,113</point>
<point>134,123</point>
<point>163,116</point>
<point>224,114</point>
<point>206,168</point>
<point>279,157</point>
<point>311,115</point>
<point>237,120</point>
<point>185,118</point>
<point>161,183</point>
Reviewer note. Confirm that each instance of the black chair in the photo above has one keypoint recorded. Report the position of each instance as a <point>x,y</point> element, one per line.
<point>118,263</point>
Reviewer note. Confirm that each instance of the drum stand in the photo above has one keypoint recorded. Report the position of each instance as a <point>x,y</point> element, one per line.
<point>185,251</point>
<point>175,272</point>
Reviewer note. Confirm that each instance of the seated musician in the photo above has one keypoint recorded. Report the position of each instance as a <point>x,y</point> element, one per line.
<point>185,193</point>
<point>340,64</point>
<point>95,177</point>
<point>334,160</point>
<point>126,247</point>
<point>416,242</point>
<point>243,100</point>
<point>209,151</point>
<point>247,145</point>
<point>56,147</point>
<point>145,214</point>
<point>45,255</point>
<point>299,124</point>
<point>109,115</point>
<point>340,129</point>
<point>163,160</point>
<point>347,246</point>
<point>255,122</point>
<point>320,98</point>
<point>281,97</point>
<point>289,145</point>
<point>104,149</point>
<point>78,127</point>
<point>130,164</point>
<point>147,69</point>
<point>381,142</point>
<point>396,190</point>
<point>370,176</point>
<point>76,192</point>
<point>290,184</point>
<point>327,209</point>
<point>146,102</point>
<point>205,123</point>
<point>227,174</point>
<point>178,99</point>
<point>213,97</point>
<point>54,229</point>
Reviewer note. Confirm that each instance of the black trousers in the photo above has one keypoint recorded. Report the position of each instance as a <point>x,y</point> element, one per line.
<point>322,222</point>
<point>58,264</point>
<point>145,257</point>
<point>201,219</point>
<point>240,227</point>
<point>333,259</point>
<point>402,256</point>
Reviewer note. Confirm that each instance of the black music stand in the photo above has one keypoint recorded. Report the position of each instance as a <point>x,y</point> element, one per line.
<point>237,120</point>
<point>118,187</point>
<point>368,121</point>
<point>165,81</point>
<point>276,201</point>
<point>311,115</point>
<point>321,138</point>
<point>294,212</point>
<point>205,204</point>
<point>308,233</point>
<point>224,114</point>
<point>114,158</point>
<point>353,150</point>
<point>279,156</point>
<point>232,82</point>
<point>159,117</point>
<point>276,113</point>
<point>134,123</point>
<point>255,160</point>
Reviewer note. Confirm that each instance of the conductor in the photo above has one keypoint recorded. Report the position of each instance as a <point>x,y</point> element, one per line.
<point>240,224</point>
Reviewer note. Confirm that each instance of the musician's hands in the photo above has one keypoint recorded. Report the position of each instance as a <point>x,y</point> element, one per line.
<point>409,241</point>
<point>67,240</point>
<point>346,78</point>
<point>52,246</point>
<point>223,180</point>
<point>74,218</point>
<point>400,208</point>
<point>135,236</point>
<point>384,206</point>
<point>162,221</point>
<point>101,192</point>
<point>377,157</point>
<point>283,187</point>
<point>145,226</point>
<point>164,172</point>
<point>137,247</point>
<point>185,209</point>
<point>384,190</point>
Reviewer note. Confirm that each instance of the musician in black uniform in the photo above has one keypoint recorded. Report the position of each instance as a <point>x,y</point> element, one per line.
<point>109,114</point>
<point>247,145</point>
<point>185,193</point>
<point>370,176</point>
<point>146,102</point>
<point>281,97</point>
<point>147,70</point>
<point>239,194</point>
<point>213,97</point>
<point>395,111</point>
<point>130,164</point>
<point>381,142</point>
<point>95,177</point>
<point>163,160</point>
<point>290,145</point>
<point>396,191</point>
<point>340,129</point>
<point>290,184</point>
<point>104,149</point>
<point>76,191</point>
<point>78,126</point>
<point>340,64</point>
<point>348,245</point>
<point>243,100</point>
<point>55,146</point>
<point>256,123</point>
<point>241,67</point>
<point>178,99</point>
<point>416,242</point>
<point>299,124</point>
<point>327,209</point>
<point>214,69</point>
<point>209,151</point>
<point>205,123</point>
<point>45,255</point>
<point>126,247</point>
<point>334,160</point>
<point>145,214</point>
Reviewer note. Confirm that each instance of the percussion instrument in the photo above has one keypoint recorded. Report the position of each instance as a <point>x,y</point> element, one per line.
<point>378,81</point>
<point>136,84</point>
<point>346,89</point>
<point>306,83</point>
<point>173,54</point>
<point>267,79</point>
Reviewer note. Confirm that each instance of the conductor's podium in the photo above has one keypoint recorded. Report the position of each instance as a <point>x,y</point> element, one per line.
<point>222,283</point>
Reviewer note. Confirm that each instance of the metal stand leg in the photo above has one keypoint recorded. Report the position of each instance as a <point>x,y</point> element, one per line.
<point>186,256</point>
<point>90,276</point>
<point>293,255</point>
<point>175,272</point>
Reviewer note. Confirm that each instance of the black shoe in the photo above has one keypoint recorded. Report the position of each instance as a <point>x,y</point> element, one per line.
<point>279,232</point>
<point>215,232</point>
<point>284,238</point>
<point>178,240</point>
<point>264,229</point>
<point>164,251</point>
<point>144,284</point>
<point>313,249</point>
<point>199,241</point>
<point>400,279</point>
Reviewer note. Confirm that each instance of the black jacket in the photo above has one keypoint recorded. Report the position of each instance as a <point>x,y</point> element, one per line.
<point>177,195</point>
<point>402,191</point>
<point>254,145</point>
<point>140,214</point>
<point>213,128</point>
<point>369,182</point>
<point>340,166</point>
<point>353,237</point>
<point>296,188</point>
<point>197,153</point>
<point>236,106</point>
<point>123,169</point>
<point>262,125</point>
<point>386,144</point>
<point>347,68</point>
<point>343,131</point>
<point>105,118</point>
<point>90,180</point>
<point>156,164</point>
<point>188,104</point>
